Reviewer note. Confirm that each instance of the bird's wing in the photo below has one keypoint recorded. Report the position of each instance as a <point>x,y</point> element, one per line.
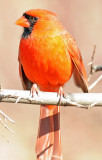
<point>79,72</point>
<point>27,84</point>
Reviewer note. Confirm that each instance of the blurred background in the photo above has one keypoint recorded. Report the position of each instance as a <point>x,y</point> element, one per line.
<point>81,129</point>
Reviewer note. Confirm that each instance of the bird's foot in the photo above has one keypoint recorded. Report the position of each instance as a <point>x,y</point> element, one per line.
<point>60,94</point>
<point>34,89</point>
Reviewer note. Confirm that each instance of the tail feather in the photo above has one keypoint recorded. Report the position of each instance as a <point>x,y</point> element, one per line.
<point>57,150</point>
<point>48,145</point>
<point>45,139</point>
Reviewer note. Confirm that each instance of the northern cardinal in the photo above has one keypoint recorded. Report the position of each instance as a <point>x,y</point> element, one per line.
<point>48,55</point>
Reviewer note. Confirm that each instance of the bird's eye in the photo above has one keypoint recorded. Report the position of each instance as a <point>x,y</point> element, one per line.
<point>36,18</point>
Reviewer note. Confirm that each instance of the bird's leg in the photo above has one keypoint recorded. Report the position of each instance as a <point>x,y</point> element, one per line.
<point>60,93</point>
<point>34,89</point>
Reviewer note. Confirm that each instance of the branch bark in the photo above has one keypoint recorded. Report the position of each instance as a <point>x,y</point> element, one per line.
<point>96,68</point>
<point>83,100</point>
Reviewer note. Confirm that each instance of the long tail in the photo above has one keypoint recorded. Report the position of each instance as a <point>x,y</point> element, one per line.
<point>48,145</point>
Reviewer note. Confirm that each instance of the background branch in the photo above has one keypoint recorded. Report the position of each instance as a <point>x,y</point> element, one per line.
<point>96,68</point>
<point>93,68</point>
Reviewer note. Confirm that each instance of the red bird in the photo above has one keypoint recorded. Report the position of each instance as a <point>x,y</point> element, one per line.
<point>48,55</point>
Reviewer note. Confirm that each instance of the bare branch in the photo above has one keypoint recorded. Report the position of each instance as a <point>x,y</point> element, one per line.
<point>94,84</point>
<point>5,119</point>
<point>91,63</point>
<point>83,100</point>
<point>94,68</point>
<point>97,68</point>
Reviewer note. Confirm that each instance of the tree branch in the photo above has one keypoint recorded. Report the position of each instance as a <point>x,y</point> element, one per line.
<point>96,68</point>
<point>83,100</point>
<point>93,68</point>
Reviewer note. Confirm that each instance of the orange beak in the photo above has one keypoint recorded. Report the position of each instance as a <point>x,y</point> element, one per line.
<point>23,22</point>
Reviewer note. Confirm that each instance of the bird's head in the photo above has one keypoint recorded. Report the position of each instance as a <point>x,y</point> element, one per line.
<point>30,18</point>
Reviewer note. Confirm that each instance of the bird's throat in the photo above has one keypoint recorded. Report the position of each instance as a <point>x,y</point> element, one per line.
<point>27,32</point>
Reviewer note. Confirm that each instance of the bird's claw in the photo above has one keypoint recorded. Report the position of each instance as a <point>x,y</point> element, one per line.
<point>34,89</point>
<point>60,94</point>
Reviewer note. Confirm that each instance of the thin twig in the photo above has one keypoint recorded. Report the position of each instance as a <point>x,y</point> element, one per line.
<point>6,118</point>
<point>94,84</point>
<point>93,69</point>
<point>97,68</point>
<point>5,125</point>
<point>91,63</point>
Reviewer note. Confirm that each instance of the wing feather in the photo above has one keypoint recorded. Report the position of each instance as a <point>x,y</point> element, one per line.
<point>79,72</point>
